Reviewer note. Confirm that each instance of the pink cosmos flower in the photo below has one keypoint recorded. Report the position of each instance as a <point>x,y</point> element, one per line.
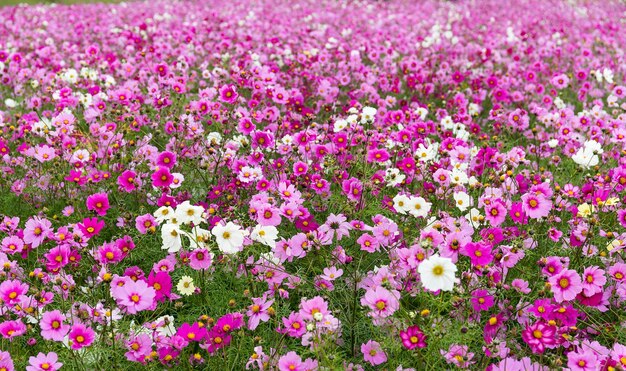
<point>618,354</point>
<point>228,94</point>
<point>258,312</point>
<point>57,257</point>
<point>294,325</point>
<point>413,337</point>
<point>161,282</point>
<point>139,347</point>
<point>267,215</point>
<point>381,301</point>
<point>458,355</point>
<point>12,290</point>
<point>368,243</point>
<point>44,362</point>
<point>309,308</point>
<point>36,230</point>
<point>593,280</point>
<point>336,226</point>
<point>300,168</point>
<point>134,296</point>
<point>98,202</point>
<point>352,188</point>
<point>166,159</point>
<point>377,155</point>
<point>565,285</point>
<point>145,223</point>
<point>373,353</point>
<point>536,206</point>
<point>582,360</point>
<point>53,326</point>
<point>12,245</point>
<point>200,259</point>
<point>6,363</point>
<point>495,213</point>
<point>290,362</point>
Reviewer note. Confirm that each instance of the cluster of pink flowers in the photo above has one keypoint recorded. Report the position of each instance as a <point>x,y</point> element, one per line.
<point>313,185</point>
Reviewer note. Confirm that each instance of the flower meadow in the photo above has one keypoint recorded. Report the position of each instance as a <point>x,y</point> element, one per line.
<point>304,185</point>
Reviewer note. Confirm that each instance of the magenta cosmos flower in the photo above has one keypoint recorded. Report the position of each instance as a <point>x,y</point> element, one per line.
<point>12,329</point>
<point>565,285</point>
<point>228,94</point>
<point>90,226</point>
<point>478,252</point>
<point>81,336</point>
<point>128,181</point>
<point>539,336</point>
<point>162,177</point>
<point>413,337</point>
<point>98,202</point>
<point>192,332</point>
<point>44,362</point>
<point>373,353</point>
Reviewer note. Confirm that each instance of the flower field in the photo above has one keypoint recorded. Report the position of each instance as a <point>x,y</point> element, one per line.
<point>313,184</point>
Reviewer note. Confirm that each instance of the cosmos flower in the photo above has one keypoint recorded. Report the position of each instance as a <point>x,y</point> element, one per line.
<point>437,273</point>
<point>229,237</point>
<point>44,362</point>
<point>373,353</point>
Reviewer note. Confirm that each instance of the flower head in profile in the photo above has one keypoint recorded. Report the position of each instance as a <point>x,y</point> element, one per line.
<point>437,273</point>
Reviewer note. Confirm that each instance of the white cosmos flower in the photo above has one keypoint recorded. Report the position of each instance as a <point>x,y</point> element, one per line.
<point>340,125</point>
<point>265,234</point>
<point>418,207</point>
<point>10,103</point>
<point>462,200</point>
<point>437,273</point>
<point>368,114</point>
<point>187,213</point>
<point>401,203</point>
<point>177,181</point>
<point>474,217</point>
<point>163,213</point>
<point>170,234</point>
<point>229,237</point>
<point>185,286</point>
<point>198,237</point>
<point>458,176</point>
